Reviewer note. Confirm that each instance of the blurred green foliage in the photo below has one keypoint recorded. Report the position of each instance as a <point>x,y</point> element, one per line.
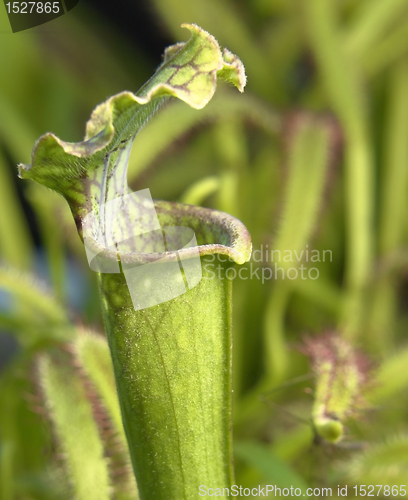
<point>313,156</point>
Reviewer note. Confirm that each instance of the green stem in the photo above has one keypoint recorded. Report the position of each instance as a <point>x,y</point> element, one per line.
<point>346,95</point>
<point>395,175</point>
<point>275,345</point>
<point>6,470</point>
<point>393,192</point>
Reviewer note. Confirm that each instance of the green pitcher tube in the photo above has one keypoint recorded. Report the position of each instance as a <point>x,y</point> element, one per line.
<point>172,363</point>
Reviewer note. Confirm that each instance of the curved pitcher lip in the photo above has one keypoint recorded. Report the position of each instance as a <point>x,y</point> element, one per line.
<point>235,240</point>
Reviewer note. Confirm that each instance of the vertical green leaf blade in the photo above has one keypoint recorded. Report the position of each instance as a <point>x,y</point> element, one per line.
<point>76,430</point>
<point>310,154</point>
<point>93,354</point>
